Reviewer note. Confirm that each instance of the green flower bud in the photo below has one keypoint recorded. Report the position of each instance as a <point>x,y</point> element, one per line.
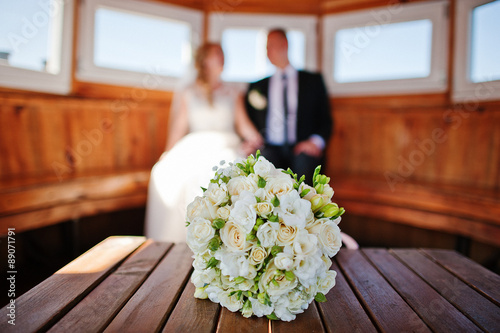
<point>214,243</point>
<point>259,222</point>
<point>218,223</point>
<point>275,201</point>
<point>262,298</point>
<point>330,209</point>
<point>275,250</point>
<point>239,279</point>
<point>320,297</point>
<point>289,275</point>
<point>319,188</point>
<point>317,202</point>
<point>261,183</point>
<point>250,237</point>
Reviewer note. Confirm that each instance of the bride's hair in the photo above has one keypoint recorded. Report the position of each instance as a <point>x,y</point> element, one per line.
<point>201,67</point>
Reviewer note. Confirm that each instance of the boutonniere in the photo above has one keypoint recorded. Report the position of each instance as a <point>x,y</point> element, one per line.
<point>257,100</point>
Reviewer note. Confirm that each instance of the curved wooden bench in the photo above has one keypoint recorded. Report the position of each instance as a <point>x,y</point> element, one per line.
<point>466,212</point>
<point>27,204</point>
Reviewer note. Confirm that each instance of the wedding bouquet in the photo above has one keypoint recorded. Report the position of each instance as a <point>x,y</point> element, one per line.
<point>262,239</point>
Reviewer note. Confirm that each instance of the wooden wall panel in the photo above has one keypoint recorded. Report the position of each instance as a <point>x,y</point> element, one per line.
<point>63,137</point>
<point>428,144</point>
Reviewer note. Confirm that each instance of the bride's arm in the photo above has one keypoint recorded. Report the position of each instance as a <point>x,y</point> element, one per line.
<point>179,125</point>
<point>246,129</point>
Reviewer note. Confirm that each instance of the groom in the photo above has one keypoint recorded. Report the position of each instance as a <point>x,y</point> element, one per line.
<point>296,138</point>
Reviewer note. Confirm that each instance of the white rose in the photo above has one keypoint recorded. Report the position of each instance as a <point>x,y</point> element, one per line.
<point>297,302</point>
<point>284,261</point>
<point>306,269</point>
<point>281,285</point>
<point>233,264</point>
<point>257,255</point>
<point>204,277</point>
<point>264,209</point>
<point>199,233</point>
<point>243,213</point>
<point>213,293</point>
<point>233,235</point>
<point>223,212</point>
<point>329,237</point>
<point>328,282</point>
<point>278,185</point>
<point>293,210</point>
<point>201,259</point>
<point>260,309</point>
<point>201,207</point>
<point>232,303</point>
<point>268,234</point>
<point>304,244</point>
<point>217,194</point>
<point>241,183</point>
<point>281,309</point>
<point>286,234</point>
<point>263,167</point>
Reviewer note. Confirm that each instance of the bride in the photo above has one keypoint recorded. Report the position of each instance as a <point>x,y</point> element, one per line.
<point>207,124</point>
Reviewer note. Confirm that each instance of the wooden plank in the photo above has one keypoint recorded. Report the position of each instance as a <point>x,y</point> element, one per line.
<point>153,302</point>
<point>386,308</point>
<point>309,321</point>
<point>50,300</point>
<point>49,216</point>
<point>111,294</point>
<point>483,280</point>
<point>483,232</point>
<point>83,188</point>
<point>235,322</point>
<point>342,311</point>
<point>192,314</point>
<point>433,308</point>
<point>479,309</point>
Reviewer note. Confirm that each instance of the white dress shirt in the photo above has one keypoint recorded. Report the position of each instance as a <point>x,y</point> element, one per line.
<point>275,117</point>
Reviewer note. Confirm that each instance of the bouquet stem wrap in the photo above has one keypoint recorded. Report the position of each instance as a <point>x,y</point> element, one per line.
<point>262,239</point>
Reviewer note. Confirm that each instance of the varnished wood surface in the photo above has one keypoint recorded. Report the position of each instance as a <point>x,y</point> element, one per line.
<point>130,284</point>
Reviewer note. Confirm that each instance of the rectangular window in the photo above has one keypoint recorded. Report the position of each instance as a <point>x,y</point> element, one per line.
<point>395,49</point>
<point>35,45</point>
<point>399,51</point>
<point>485,43</point>
<point>124,42</point>
<point>476,72</point>
<point>243,38</point>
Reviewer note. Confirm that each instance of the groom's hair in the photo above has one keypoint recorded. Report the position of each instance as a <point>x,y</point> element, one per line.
<point>279,31</point>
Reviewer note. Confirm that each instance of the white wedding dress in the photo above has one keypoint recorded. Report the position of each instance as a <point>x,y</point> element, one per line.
<point>178,177</point>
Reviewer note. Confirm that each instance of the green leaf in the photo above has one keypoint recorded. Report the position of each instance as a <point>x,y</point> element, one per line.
<point>203,189</point>
<point>272,316</point>
<point>212,263</point>
<point>273,218</point>
<point>320,298</point>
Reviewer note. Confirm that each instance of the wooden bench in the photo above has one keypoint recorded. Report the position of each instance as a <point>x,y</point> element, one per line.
<point>27,204</point>
<point>465,212</point>
<point>130,284</point>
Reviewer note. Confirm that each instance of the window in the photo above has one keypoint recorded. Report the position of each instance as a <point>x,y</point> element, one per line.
<point>477,50</point>
<point>243,38</point>
<point>394,49</point>
<point>35,45</point>
<point>127,43</point>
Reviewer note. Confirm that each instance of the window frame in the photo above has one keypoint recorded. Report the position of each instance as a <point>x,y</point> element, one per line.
<point>436,12</point>
<point>42,81</point>
<point>87,71</point>
<point>463,88</point>
<point>219,21</point>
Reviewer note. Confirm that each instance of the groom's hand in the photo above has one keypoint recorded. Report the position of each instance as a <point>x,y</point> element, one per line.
<point>307,147</point>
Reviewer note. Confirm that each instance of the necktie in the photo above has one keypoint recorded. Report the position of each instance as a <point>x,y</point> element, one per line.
<point>285,109</point>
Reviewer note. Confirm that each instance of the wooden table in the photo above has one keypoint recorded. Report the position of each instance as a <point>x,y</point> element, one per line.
<point>130,284</point>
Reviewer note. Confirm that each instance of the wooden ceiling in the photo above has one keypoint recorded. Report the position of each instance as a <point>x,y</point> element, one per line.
<point>316,7</point>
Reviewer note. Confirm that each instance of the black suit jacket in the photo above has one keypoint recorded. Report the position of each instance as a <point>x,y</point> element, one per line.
<point>313,107</point>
